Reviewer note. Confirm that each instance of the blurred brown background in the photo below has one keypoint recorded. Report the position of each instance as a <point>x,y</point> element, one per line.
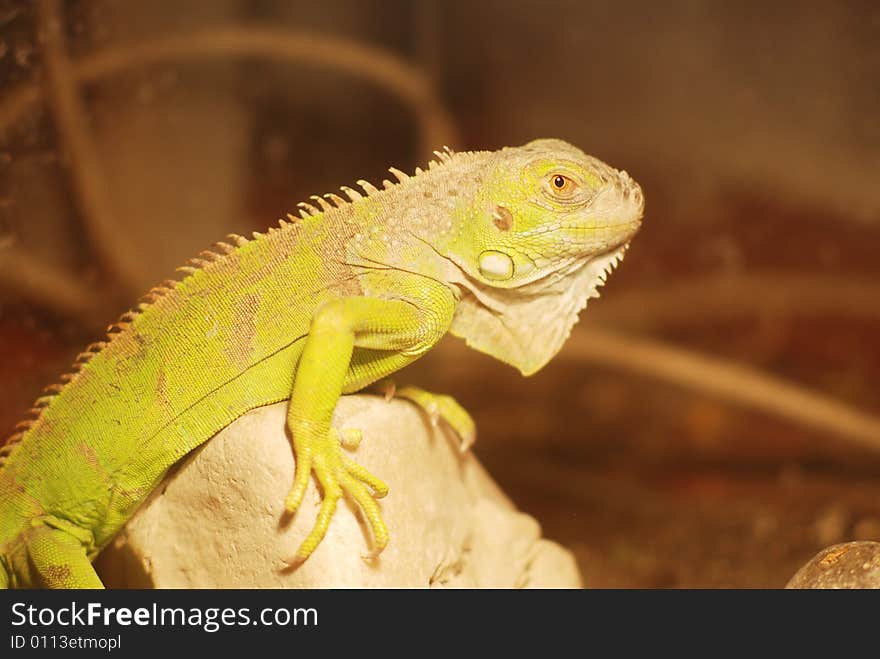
<point>712,419</point>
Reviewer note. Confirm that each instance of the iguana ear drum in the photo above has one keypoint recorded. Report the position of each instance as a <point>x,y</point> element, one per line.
<point>496,266</point>
<point>502,218</point>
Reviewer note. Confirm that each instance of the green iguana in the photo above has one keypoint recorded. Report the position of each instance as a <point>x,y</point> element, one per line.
<point>500,248</point>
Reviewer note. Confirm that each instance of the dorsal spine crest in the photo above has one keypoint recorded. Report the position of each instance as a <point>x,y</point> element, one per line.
<point>218,250</point>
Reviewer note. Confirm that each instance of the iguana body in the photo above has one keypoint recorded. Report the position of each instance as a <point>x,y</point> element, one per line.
<point>502,248</point>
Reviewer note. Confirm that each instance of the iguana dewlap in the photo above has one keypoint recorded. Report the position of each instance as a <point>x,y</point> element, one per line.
<point>500,248</point>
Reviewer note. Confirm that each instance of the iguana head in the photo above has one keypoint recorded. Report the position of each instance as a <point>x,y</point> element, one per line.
<point>538,237</point>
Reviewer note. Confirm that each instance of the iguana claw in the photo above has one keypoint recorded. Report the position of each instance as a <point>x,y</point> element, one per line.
<point>439,407</point>
<point>337,475</point>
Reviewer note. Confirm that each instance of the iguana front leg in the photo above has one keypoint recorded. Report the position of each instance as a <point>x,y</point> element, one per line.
<point>391,333</point>
<point>438,407</point>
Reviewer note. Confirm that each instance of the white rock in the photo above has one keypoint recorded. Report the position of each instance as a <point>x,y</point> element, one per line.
<point>215,521</point>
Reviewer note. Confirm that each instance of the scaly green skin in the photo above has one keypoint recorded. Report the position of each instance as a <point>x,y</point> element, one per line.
<point>501,248</point>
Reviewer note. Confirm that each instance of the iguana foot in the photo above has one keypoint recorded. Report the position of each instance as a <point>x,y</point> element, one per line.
<point>350,438</point>
<point>437,407</point>
<point>337,475</point>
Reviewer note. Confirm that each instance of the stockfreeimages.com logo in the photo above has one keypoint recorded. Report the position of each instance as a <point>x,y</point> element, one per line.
<point>210,619</point>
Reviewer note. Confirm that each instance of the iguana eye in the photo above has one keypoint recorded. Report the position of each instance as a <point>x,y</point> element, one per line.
<point>562,186</point>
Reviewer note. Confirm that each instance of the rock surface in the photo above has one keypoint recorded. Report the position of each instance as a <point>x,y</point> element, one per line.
<point>847,565</point>
<point>215,520</point>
